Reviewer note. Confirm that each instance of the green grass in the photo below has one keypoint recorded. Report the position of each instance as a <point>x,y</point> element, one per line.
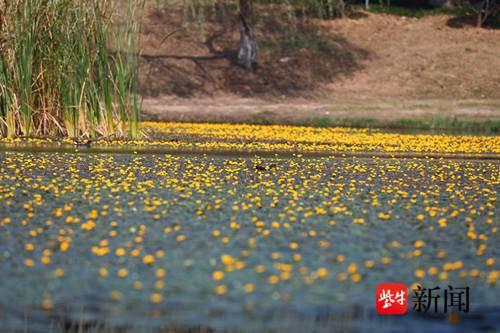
<point>67,70</point>
<point>416,11</point>
<point>425,124</point>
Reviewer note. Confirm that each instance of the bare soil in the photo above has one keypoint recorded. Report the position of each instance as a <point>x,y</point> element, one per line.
<point>369,66</point>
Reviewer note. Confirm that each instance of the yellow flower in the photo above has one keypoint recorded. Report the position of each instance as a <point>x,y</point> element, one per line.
<point>474,272</point>
<point>322,273</point>
<point>122,272</point>
<point>159,284</point>
<point>115,295</point>
<point>47,304</point>
<point>384,216</point>
<point>492,277</point>
<point>59,272</point>
<point>160,272</point>
<point>395,244</point>
<point>103,272</point>
<point>155,298</point>
<point>273,279</point>
<point>249,288</point>
<point>359,220</point>
<point>93,214</point>
<point>342,276</point>
<point>356,277</point>
<point>148,259</point>
<point>220,290</point>
<point>88,226</point>
<point>227,259</point>
<point>46,260</point>
<point>419,244</point>
<point>275,255</point>
<point>432,270</point>
<point>260,268</point>
<point>420,273</point>
<point>218,275</point>
<point>64,246</point>
<point>386,260</point>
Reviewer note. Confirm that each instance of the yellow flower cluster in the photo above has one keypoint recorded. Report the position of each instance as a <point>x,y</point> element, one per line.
<point>311,139</point>
<point>299,139</point>
<point>250,229</point>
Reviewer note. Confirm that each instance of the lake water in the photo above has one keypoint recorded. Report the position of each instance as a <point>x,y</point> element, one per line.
<point>143,242</point>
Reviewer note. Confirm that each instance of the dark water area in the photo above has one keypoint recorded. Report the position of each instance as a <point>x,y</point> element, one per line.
<point>106,242</point>
<point>130,149</point>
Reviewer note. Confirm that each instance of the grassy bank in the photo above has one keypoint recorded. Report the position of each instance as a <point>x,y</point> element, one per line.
<point>66,70</point>
<point>418,12</point>
<point>442,124</point>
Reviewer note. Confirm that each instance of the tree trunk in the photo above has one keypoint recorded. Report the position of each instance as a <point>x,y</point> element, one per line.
<point>483,13</point>
<point>247,53</point>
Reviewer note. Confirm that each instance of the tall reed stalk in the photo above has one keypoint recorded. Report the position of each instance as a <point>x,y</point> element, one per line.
<point>66,69</point>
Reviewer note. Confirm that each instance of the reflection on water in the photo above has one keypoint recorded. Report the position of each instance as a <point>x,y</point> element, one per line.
<point>228,153</point>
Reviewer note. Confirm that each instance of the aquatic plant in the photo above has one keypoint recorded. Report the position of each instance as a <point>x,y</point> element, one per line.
<point>200,239</point>
<point>245,139</point>
<point>67,69</point>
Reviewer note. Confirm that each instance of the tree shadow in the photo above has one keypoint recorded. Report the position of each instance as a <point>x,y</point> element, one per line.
<point>201,62</point>
<point>358,15</point>
<point>461,22</point>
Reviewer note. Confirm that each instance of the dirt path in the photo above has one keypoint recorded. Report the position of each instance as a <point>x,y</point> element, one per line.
<point>297,110</point>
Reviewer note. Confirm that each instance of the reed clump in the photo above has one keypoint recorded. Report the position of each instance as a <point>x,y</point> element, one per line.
<point>67,69</point>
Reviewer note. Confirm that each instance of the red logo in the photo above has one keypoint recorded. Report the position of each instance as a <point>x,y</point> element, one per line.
<point>391,299</point>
